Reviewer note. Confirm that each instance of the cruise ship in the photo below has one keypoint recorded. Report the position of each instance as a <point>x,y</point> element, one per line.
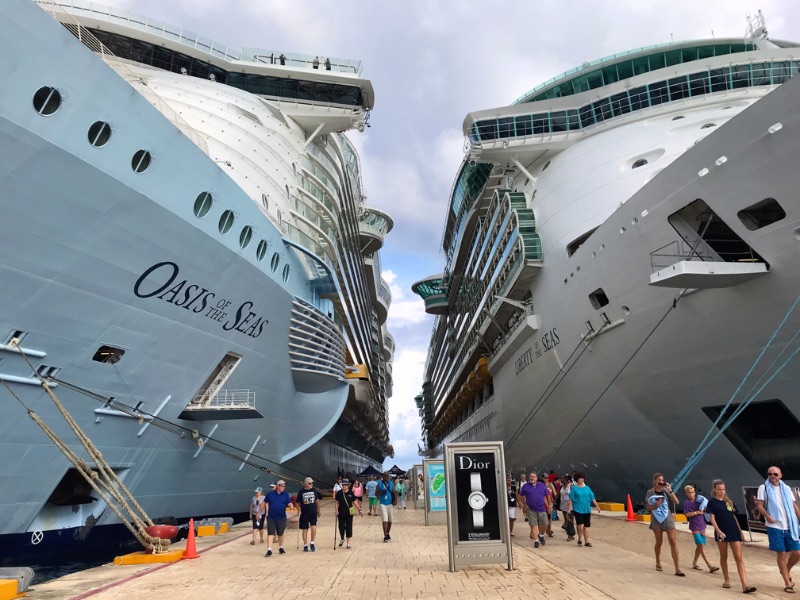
<point>622,262</point>
<point>188,259</point>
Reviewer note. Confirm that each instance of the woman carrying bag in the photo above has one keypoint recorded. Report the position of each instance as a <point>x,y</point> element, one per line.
<point>346,506</point>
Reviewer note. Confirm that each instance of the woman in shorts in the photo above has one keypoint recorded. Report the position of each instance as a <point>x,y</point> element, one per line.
<point>697,525</point>
<point>581,499</point>
<point>728,534</point>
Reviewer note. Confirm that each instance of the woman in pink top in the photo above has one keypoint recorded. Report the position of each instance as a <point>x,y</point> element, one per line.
<point>358,489</point>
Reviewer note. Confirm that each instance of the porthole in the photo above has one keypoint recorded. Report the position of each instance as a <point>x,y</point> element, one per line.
<point>261,250</point>
<point>46,100</point>
<point>708,126</point>
<point>203,204</point>
<point>625,310</point>
<point>286,270</point>
<point>280,218</point>
<point>678,117</point>
<point>276,260</point>
<point>245,236</point>
<point>226,221</point>
<point>639,163</point>
<point>265,201</point>
<point>99,134</point>
<point>141,161</point>
<point>544,168</point>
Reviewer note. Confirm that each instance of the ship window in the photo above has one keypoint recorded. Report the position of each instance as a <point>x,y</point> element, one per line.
<point>245,236</point>
<point>265,201</point>
<point>544,168</point>
<point>203,204</point>
<point>598,298</point>
<point>141,161</point>
<point>99,134</point>
<point>226,221</point>
<point>108,354</point>
<point>286,271</point>
<point>276,260</point>
<point>573,246</point>
<point>762,214</point>
<point>765,433</point>
<point>678,117</point>
<point>708,126</point>
<point>639,163</point>
<point>261,250</point>
<point>46,101</point>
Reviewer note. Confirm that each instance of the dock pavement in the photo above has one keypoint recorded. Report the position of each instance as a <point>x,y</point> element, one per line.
<point>414,564</point>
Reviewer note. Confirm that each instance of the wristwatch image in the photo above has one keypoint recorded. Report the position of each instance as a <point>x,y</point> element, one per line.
<point>477,499</point>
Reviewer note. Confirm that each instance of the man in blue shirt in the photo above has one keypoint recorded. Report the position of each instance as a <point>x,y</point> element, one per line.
<point>277,502</point>
<point>372,487</point>
<point>536,503</point>
<point>386,499</point>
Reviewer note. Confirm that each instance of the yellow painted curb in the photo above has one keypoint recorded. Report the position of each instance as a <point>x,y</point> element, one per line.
<point>8,589</point>
<point>223,528</point>
<point>645,518</point>
<point>140,558</point>
<point>611,506</point>
<point>206,530</point>
<point>680,518</point>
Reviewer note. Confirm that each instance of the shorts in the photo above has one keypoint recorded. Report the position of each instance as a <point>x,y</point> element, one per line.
<point>780,540</point>
<point>258,523</point>
<point>386,513</point>
<point>584,519</point>
<point>512,512</point>
<point>537,518</point>
<point>307,520</point>
<point>373,501</point>
<point>699,537</point>
<point>667,525</point>
<point>275,527</point>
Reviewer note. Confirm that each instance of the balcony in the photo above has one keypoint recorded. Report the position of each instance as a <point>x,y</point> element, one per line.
<point>388,346</point>
<point>433,290</point>
<point>384,301</point>
<point>372,229</point>
<point>224,405</point>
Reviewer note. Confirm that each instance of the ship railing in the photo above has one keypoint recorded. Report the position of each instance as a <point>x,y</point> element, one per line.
<point>223,399</point>
<point>698,249</point>
<point>90,41</point>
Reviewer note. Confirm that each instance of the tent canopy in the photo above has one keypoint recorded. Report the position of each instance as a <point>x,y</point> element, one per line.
<point>370,470</point>
<point>395,470</point>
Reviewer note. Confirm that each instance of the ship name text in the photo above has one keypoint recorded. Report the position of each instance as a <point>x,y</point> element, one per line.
<point>546,343</point>
<point>198,299</point>
<point>523,361</point>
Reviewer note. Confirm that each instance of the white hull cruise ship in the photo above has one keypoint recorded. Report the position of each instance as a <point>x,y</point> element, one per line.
<point>188,260</point>
<point>622,251</point>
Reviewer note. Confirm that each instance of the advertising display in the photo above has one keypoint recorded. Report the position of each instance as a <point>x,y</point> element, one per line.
<point>435,491</point>
<point>417,487</point>
<point>477,508</point>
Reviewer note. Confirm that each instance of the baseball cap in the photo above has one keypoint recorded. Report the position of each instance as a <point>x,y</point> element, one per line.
<point>259,489</point>
<point>281,482</point>
<point>309,480</point>
<point>272,485</point>
<point>345,482</point>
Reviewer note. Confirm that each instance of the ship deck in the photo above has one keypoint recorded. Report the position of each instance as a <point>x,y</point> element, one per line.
<point>415,565</point>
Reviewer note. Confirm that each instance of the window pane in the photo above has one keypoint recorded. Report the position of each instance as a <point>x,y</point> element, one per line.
<point>658,92</point>
<point>761,74</point>
<point>657,61</point>
<point>540,124</point>
<point>639,98</point>
<point>740,76</point>
<point>620,104</point>
<point>698,84</point>
<point>719,80</point>
<point>587,116</point>
<point>640,65</point>
<point>610,74</point>
<point>602,109</point>
<point>573,120</point>
<point>678,88</point>
<point>673,57</point>
<point>523,125</point>
<point>625,69</point>
<point>505,127</point>
<point>558,121</point>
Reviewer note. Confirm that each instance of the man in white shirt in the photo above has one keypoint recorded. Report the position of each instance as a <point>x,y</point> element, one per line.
<point>776,502</point>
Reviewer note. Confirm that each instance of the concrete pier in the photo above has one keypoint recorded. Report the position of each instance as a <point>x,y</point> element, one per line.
<point>414,564</point>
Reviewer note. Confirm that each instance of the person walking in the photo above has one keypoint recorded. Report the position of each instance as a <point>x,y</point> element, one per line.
<point>387,498</point>
<point>693,511</point>
<point>358,489</point>
<point>277,501</point>
<point>338,485</point>
<point>535,501</point>
<point>564,506</point>
<point>657,502</point>
<point>257,514</point>
<point>551,509</point>
<point>372,496</point>
<point>581,499</point>
<point>776,503</point>
<point>346,506</point>
<point>307,500</point>
<point>400,490</point>
<point>728,534</point>
<point>512,505</point>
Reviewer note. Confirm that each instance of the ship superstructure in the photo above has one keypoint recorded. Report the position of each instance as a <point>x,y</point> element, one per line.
<point>185,237</point>
<point>621,243</point>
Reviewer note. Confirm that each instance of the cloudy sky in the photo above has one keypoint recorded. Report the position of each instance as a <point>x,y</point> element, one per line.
<point>431,63</point>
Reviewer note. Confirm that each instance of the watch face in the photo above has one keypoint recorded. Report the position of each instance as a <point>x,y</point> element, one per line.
<point>477,500</point>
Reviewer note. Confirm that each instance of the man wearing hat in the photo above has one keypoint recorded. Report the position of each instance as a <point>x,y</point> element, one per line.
<point>257,514</point>
<point>277,501</point>
<point>307,500</point>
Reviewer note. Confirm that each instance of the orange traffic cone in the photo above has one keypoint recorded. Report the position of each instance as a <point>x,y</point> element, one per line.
<point>191,548</point>
<point>631,516</point>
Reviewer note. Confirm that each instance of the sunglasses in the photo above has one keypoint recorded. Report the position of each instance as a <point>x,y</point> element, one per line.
<point>774,474</point>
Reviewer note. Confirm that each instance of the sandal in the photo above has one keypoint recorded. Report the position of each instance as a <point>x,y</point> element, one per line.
<point>749,590</point>
<point>713,569</point>
<point>680,574</point>
<point>588,545</point>
<point>696,568</point>
<point>789,589</point>
<point>658,568</point>
<point>580,543</point>
<point>252,543</point>
<point>727,586</point>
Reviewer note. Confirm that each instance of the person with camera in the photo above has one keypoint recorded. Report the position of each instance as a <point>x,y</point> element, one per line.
<point>387,498</point>
<point>657,502</point>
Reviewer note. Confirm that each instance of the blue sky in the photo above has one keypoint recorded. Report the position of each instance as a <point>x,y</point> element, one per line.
<point>431,62</point>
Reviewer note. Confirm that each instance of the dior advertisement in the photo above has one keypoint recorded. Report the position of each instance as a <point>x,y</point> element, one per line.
<point>477,504</point>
